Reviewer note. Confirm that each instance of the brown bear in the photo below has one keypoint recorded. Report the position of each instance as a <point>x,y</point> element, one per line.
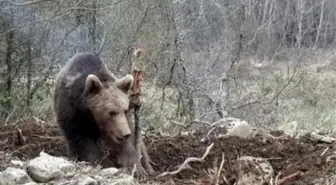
<point>90,104</point>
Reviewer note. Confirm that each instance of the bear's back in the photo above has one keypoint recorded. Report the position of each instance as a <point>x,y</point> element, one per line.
<point>70,82</point>
<point>84,63</point>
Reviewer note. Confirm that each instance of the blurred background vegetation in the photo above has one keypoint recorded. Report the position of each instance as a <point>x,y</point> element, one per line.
<point>265,61</point>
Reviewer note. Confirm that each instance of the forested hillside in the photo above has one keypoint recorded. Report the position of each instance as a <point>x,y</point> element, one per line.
<point>264,61</point>
<point>249,83</point>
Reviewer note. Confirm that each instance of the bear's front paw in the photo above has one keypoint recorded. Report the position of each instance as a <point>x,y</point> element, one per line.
<point>140,172</point>
<point>137,171</point>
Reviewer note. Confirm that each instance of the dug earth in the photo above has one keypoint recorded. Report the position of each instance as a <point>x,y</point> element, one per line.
<point>90,105</point>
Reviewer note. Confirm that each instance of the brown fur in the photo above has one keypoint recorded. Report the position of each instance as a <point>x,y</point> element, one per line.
<point>108,106</point>
<point>90,104</point>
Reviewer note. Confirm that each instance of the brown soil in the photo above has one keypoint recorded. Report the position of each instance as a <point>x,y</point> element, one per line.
<point>286,155</point>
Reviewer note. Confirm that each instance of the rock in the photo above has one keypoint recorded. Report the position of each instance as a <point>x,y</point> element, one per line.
<point>31,183</point>
<point>109,172</point>
<point>14,176</point>
<point>45,167</point>
<point>17,163</point>
<point>86,180</point>
<point>124,181</point>
<point>118,178</point>
<point>290,128</point>
<point>301,133</point>
<point>264,135</point>
<point>113,176</point>
<point>253,170</point>
<point>98,178</point>
<point>322,138</point>
<point>228,127</point>
<point>239,128</point>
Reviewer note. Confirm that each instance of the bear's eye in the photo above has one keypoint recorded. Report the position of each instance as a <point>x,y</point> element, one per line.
<point>112,113</point>
<point>125,111</point>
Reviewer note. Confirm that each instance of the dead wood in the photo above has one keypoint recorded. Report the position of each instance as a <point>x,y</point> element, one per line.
<point>135,105</point>
<point>185,164</point>
<point>20,139</point>
<point>289,177</point>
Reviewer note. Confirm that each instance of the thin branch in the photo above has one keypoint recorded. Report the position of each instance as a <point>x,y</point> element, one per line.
<point>33,22</point>
<point>185,164</point>
<point>10,114</point>
<point>331,157</point>
<point>103,40</point>
<point>26,3</point>
<point>275,96</point>
<point>289,177</point>
<point>325,151</point>
<point>220,170</point>
<point>133,39</point>
<point>21,139</point>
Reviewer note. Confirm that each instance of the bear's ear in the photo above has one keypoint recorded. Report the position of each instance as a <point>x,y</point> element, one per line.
<point>125,83</point>
<point>92,85</point>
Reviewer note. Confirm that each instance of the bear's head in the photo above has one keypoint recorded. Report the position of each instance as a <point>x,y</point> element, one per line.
<point>109,105</point>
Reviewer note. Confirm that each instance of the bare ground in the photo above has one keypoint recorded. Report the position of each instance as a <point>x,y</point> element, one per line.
<point>286,155</point>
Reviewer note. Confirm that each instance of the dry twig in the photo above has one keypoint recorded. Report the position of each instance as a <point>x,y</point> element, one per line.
<point>325,151</point>
<point>187,161</point>
<point>20,138</point>
<point>330,158</point>
<point>218,174</point>
<point>133,170</point>
<point>26,3</point>
<point>289,177</point>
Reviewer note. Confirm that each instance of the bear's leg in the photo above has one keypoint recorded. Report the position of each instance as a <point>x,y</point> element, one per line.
<point>87,149</point>
<point>146,159</point>
<point>84,149</point>
<point>81,147</point>
<point>128,157</point>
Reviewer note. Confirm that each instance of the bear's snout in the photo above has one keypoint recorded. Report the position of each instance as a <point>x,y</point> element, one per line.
<point>119,130</point>
<point>126,136</point>
<point>123,138</point>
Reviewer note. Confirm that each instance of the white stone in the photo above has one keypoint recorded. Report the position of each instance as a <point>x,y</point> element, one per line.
<point>99,178</point>
<point>86,180</point>
<point>46,167</point>
<point>17,163</point>
<point>266,136</point>
<point>322,138</point>
<point>239,128</point>
<point>124,181</point>
<point>109,172</point>
<point>31,183</point>
<point>14,176</point>
<point>290,128</point>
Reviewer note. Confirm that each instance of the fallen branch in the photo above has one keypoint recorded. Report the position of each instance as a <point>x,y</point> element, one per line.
<point>325,151</point>
<point>330,158</point>
<point>21,140</point>
<point>48,137</point>
<point>26,3</point>
<point>275,181</point>
<point>187,161</point>
<point>218,174</point>
<point>289,177</point>
<point>133,171</point>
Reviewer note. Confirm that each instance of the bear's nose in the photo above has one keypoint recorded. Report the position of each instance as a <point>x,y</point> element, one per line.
<point>126,136</point>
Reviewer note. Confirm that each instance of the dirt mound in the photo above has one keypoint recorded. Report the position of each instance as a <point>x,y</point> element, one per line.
<point>36,138</point>
<point>286,155</point>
